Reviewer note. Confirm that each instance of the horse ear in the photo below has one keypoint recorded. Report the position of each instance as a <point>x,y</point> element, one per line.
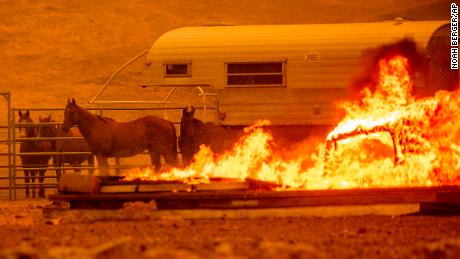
<point>49,117</point>
<point>27,113</point>
<point>73,102</point>
<point>20,113</point>
<point>188,110</point>
<point>222,115</point>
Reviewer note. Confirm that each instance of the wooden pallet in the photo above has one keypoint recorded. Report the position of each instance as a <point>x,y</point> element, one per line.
<point>245,199</point>
<point>76,183</point>
<point>233,196</point>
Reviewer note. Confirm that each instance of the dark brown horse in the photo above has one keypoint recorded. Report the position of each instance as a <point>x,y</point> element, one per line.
<point>66,146</point>
<point>194,133</point>
<point>33,161</point>
<point>109,138</point>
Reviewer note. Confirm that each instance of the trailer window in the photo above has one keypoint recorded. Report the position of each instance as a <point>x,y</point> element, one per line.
<point>177,70</point>
<point>255,74</point>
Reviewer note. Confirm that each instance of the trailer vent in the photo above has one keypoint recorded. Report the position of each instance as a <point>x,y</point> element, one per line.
<point>312,57</point>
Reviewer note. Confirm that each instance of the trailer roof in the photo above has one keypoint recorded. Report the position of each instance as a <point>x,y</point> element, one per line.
<point>236,40</point>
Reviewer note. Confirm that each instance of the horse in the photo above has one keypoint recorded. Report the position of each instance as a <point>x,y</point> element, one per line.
<point>109,138</point>
<point>194,133</point>
<point>33,161</point>
<point>63,145</point>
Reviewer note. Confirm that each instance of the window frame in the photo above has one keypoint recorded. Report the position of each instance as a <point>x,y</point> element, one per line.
<point>282,73</point>
<point>166,64</point>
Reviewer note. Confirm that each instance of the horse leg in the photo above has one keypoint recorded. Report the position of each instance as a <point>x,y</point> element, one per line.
<point>26,181</point>
<point>155,160</point>
<point>32,180</point>
<point>170,157</point>
<point>186,158</point>
<point>76,169</point>
<point>41,179</point>
<point>91,164</point>
<point>103,164</point>
<point>189,154</point>
<point>117,163</point>
<point>58,165</point>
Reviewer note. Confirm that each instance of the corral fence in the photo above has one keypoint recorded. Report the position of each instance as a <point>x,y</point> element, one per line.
<point>12,177</point>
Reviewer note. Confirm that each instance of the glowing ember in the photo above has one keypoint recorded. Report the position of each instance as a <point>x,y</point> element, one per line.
<point>387,139</point>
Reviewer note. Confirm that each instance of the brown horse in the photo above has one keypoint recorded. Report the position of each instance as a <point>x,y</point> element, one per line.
<point>33,161</point>
<point>109,138</point>
<point>194,133</point>
<point>66,146</point>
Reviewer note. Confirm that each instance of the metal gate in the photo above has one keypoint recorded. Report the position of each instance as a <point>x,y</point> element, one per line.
<point>6,168</point>
<point>12,176</point>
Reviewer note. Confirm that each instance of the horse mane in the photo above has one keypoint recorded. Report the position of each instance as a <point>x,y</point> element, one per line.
<point>197,122</point>
<point>105,119</point>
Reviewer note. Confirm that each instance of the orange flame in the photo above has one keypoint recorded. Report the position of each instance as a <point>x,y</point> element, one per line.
<point>388,139</point>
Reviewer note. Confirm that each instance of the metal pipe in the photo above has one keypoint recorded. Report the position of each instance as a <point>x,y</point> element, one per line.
<point>45,185</point>
<point>49,167</point>
<point>51,153</point>
<point>76,139</point>
<point>116,73</point>
<point>203,95</point>
<point>22,124</point>
<point>13,153</point>
<point>105,108</point>
<point>360,131</point>
<point>59,153</point>
<point>176,85</point>
<point>10,144</point>
<point>127,102</point>
<point>165,101</point>
<point>44,177</point>
<point>20,168</point>
<point>73,139</point>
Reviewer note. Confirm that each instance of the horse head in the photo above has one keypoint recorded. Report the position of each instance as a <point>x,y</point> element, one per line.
<point>188,111</point>
<point>25,118</point>
<point>71,115</point>
<point>47,130</point>
<point>186,122</point>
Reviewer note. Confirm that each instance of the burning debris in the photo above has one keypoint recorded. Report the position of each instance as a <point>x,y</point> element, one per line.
<point>370,62</point>
<point>387,139</point>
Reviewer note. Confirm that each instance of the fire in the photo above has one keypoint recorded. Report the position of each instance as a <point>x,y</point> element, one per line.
<point>387,139</point>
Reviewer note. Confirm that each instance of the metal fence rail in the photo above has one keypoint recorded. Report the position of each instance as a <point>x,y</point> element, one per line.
<point>16,178</point>
<point>7,98</point>
<point>162,105</point>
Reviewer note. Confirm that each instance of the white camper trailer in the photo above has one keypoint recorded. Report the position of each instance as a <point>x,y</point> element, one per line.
<point>289,74</point>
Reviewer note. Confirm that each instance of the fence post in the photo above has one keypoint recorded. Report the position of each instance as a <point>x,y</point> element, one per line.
<point>12,129</point>
<point>7,96</point>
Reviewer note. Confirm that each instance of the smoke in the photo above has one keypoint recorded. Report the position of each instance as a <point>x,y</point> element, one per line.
<point>406,47</point>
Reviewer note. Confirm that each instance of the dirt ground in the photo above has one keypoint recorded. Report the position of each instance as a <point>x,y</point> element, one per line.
<point>54,50</point>
<point>25,232</point>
